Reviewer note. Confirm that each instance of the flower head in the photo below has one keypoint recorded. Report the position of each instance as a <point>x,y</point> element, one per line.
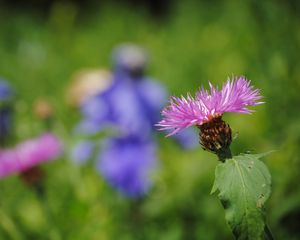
<point>29,154</point>
<point>236,95</point>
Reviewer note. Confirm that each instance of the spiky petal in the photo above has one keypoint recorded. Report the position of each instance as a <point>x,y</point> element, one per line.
<point>235,96</point>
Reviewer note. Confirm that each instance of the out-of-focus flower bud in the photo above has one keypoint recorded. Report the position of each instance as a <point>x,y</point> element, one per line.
<point>43,109</point>
<point>86,84</point>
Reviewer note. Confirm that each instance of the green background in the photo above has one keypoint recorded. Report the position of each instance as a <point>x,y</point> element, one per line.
<point>193,42</point>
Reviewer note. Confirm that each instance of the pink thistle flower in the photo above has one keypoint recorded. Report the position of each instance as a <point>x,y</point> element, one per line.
<point>29,154</point>
<point>236,95</point>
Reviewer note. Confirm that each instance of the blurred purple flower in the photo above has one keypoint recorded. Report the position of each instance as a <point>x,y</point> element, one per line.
<point>236,95</point>
<point>188,138</point>
<point>130,59</point>
<point>6,111</point>
<point>132,104</point>
<point>127,163</point>
<point>29,154</point>
<point>6,92</point>
<point>6,119</point>
<point>130,107</point>
<point>83,151</point>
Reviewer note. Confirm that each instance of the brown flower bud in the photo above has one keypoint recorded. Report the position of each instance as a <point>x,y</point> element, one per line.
<point>43,109</point>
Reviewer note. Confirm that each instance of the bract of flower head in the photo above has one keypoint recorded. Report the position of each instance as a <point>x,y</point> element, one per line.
<point>236,95</point>
<point>29,154</point>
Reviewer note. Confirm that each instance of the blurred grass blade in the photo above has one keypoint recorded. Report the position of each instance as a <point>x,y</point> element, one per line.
<point>9,226</point>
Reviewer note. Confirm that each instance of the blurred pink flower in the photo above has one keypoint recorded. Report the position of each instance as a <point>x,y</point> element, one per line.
<point>29,154</point>
<point>235,96</point>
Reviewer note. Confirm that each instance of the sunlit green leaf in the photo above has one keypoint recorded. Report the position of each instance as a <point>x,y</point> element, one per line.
<point>244,185</point>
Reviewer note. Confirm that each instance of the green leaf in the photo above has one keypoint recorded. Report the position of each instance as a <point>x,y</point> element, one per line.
<point>244,185</point>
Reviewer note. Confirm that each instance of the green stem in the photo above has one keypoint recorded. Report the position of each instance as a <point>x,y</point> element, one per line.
<point>268,234</point>
<point>224,154</point>
<point>136,217</point>
<point>9,226</point>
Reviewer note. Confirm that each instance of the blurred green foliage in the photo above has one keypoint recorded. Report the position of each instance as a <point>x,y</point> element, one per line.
<point>196,42</point>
